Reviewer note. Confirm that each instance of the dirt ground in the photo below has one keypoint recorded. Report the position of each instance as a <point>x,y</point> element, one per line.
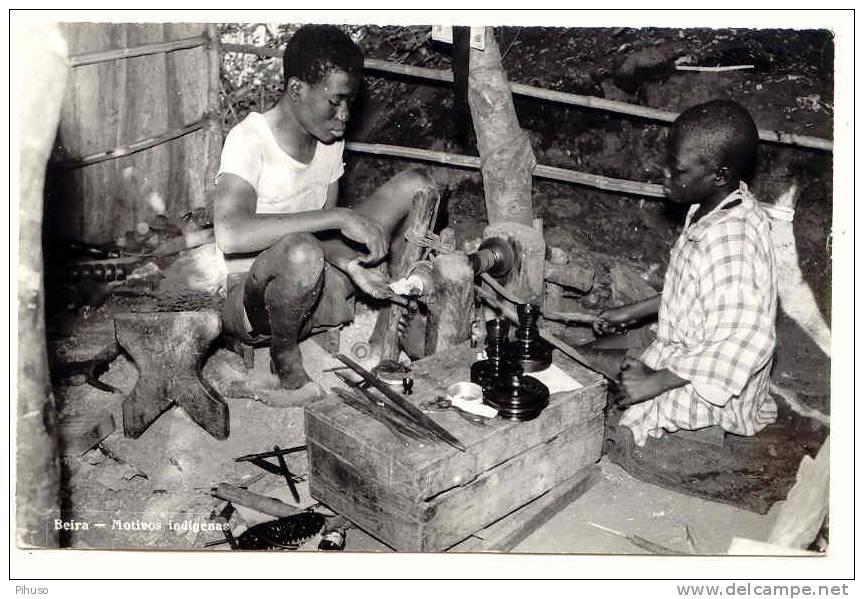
<point>790,88</point>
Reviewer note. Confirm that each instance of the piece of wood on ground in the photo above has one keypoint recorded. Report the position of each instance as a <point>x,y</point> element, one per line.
<point>800,517</point>
<point>260,503</point>
<point>508,532</point>
<point>570,275</point>
<point>80,433</point>
<point>740,546</point>
<point>628,287</point>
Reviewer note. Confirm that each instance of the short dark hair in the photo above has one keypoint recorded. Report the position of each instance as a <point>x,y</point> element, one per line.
<point>315,50</point>
<point>724,133</point>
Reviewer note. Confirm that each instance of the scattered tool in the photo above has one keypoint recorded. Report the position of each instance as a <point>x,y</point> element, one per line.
<point>270,454</point>
<point>410,410</point>
<point>284,533</point>
<point>441,403</point>
<point>88,371</point>
<point>283,469</point>
<point>396,427</point>
<point>640,542</point>
<point>261,503</point>
<point>259,460</point>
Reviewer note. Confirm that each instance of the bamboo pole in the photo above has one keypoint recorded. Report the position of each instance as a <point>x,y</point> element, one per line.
<point>655,114</point>
<point>132,148</point>
<point>86,58</point>
<point>213,131</point>
<point>651,190</point>
<point>724,69</point>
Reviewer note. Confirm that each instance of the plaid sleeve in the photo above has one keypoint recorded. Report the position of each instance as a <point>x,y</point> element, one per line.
<point>738,334</point>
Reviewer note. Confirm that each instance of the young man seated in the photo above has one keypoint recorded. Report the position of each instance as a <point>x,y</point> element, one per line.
<point>710,363</point>
<point>293,257</point>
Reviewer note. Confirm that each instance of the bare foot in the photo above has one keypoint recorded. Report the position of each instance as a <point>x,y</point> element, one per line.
<point>288,366</point>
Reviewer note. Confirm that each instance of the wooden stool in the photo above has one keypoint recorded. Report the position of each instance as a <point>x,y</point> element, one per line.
<point>169,348</point>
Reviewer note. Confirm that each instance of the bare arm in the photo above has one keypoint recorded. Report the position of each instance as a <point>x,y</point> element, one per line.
<point>635,312</point>
<point>240,230</point>
<point>614,319</point>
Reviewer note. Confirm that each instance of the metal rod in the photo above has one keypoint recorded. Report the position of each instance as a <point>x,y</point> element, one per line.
<point>270,454</point>
<point>410,409</point>
<point>360,399</point>
<point>85,58</point>
<point>351,400</point>
<point>283,467</point>
<point>640,542</point>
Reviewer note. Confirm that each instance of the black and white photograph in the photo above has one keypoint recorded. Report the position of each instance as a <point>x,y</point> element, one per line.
<point>425,285</point>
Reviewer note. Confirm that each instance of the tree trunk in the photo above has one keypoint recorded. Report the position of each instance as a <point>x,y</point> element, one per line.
<point>507,166</point>
<point>41,72</point>
<point>505,152</point>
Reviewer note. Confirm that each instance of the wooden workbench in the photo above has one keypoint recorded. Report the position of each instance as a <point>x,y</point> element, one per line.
<point>429,497</point>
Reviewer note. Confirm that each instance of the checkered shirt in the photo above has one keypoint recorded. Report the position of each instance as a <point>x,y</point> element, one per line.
<point>716,326</point>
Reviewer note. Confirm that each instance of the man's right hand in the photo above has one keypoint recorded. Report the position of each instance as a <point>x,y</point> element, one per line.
<point>365,230</point>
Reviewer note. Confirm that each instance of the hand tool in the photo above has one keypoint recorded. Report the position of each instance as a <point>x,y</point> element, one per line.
<point>269,454</point>
<point>396,428</point>
<point>261,503</point>
<point>283,469</point>
<point>284,533</point>
<point>403,404</point>
<point>379,410</point>
<point>640,542</point>
<point>441,403</point>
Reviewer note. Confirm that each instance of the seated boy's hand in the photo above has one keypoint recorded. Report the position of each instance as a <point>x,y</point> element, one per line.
<point>372,281</point>
<point>365,230</point>
<point>612,321</point>
<point>640,382</point>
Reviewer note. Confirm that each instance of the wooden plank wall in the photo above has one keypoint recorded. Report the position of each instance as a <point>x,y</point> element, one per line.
<point>116,103</point>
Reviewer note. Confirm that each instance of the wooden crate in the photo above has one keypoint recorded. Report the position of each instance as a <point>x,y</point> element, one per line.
<point>428,497</point>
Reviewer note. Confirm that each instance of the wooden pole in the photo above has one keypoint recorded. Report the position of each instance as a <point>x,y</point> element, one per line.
<point>645,112</point>
<point>214,107</point>
<point>138,146</point>
<point>40,79</point>
<point>650,190</point>
<point>86,58</point>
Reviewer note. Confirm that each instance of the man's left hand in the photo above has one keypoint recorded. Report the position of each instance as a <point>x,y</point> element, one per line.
<point>640,383</point>
<point>373,282</point>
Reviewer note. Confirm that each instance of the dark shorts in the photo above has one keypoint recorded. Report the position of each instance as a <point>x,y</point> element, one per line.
<point>335,306</point>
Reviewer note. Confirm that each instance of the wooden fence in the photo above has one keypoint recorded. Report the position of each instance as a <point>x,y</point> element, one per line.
<point>139,131</point>
<point>139,128</point>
